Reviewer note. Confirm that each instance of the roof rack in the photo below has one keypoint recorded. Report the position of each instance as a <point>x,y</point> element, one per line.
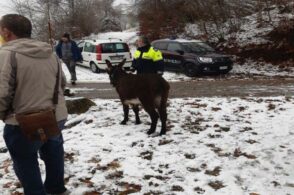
<point>115,38</point>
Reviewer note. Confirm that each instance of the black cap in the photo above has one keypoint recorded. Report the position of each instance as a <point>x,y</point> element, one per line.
<point>66,35</point>
<point>144,39</point>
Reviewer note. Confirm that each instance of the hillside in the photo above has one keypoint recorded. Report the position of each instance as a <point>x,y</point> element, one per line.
<point>267,42</point>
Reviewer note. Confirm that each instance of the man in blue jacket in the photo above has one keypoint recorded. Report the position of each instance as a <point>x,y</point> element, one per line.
<point>68,51</point>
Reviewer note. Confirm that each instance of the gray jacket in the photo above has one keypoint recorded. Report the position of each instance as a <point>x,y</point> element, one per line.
<point>35,80</point>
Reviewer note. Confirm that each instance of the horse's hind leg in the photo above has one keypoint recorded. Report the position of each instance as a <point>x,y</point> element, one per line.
<point>126,114</point>
<point>163,113</point>
<point>163,118</point>
<point>136,111</point>
<point>149,106</point>
<point>154,118</point>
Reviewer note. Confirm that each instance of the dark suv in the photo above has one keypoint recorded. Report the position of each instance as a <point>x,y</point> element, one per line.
<point>192,57</point>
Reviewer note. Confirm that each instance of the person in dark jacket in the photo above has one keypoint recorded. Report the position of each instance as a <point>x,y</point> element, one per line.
<point>68,51</point>
<point>147,60</point>
<point>28,71</point>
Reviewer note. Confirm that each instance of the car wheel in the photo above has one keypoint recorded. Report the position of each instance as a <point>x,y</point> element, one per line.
<point>190,70</point>
<point>94,68</point>
<point>225,71</point>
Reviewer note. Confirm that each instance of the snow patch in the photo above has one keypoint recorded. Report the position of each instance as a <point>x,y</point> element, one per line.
<point>214,146</point>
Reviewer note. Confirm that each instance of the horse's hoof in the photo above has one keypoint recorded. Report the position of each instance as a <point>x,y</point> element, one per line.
<point>123,122</point>
<point>150,132</point>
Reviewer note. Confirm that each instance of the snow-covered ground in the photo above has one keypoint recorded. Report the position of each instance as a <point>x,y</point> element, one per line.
<point>250,32</point>
<point>214,146</point>
<point>262,69</point>
<point>85,75</point>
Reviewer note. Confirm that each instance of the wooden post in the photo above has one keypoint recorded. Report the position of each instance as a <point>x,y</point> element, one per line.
<point>49,25</point>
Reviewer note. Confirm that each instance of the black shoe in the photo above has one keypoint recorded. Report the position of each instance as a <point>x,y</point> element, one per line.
<point>65,93</point>
<point>67,192</point>
<point>73,83</point>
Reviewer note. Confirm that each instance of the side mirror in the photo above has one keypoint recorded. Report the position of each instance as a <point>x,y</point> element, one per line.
<point>81,49</point>
<point>181,52</point>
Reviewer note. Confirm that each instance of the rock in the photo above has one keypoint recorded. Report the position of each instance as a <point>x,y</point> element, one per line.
<point>216,185</point>
<point>215,172</point>
<point>79,106</point>
<point>177,188</point>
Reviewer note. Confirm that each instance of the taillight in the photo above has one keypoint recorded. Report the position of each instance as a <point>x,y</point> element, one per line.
<point>98,52</point>
<point>98,57</point>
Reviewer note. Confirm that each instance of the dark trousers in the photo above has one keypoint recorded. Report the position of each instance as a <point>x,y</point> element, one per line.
<point>24,154</point>
<point>71,66</point>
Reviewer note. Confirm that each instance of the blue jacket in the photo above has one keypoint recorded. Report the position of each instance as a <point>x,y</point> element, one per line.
<point>76,53</point>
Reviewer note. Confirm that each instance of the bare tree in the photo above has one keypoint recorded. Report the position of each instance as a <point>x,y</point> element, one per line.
<point>161,18</point>
<point>80,18</point>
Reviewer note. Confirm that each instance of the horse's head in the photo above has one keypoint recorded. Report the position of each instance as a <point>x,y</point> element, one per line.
<point>115,71</point>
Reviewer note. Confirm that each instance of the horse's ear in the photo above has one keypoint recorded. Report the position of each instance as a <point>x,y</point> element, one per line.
<point>120,65</point>
<point>109,65</point>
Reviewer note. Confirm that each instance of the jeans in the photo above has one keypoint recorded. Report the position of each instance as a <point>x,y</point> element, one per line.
<point>71,66</point>
<point>24,154</point>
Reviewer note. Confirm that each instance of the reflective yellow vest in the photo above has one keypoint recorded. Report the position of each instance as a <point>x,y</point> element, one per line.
<point>152,54</point>
<point>150,61</point>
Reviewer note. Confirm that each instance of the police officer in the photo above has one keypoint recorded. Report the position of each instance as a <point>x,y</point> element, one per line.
<point>147,60</point>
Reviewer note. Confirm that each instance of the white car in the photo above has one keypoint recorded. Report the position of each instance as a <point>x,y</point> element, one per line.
<point>95,52</point>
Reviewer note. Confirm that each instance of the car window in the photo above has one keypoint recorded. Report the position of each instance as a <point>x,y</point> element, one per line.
<point>114,47</point>
<point>155,45</point>
<point>160,45</point>
<point>197,47</point>
<point>81,45</point>
<point>89,48</point>
<point>174,47</point>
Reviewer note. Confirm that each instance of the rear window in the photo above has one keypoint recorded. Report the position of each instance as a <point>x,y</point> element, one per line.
<point>114,47</point>
<point>161,45</point>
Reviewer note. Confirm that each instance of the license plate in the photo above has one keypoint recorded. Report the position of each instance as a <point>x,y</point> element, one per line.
<point>116,57</point>
<point>223,67</point>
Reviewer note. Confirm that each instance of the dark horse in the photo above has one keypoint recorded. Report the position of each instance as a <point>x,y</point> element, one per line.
<point>149,90</point>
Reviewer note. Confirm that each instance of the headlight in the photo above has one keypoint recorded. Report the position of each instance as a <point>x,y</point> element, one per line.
<point>205,59</point>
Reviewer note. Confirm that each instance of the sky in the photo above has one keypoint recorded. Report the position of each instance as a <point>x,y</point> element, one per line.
<point>5,7</point>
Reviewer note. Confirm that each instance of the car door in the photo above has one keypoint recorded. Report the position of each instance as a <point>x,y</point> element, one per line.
<point>162,46</point>
<point>88,54</point>
<point>81,48</point>
<point>174,56</point>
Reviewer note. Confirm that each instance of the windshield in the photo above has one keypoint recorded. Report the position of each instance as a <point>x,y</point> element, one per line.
<point>197,47</point>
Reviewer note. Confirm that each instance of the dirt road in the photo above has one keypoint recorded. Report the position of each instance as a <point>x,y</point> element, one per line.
<point>203,88</point>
